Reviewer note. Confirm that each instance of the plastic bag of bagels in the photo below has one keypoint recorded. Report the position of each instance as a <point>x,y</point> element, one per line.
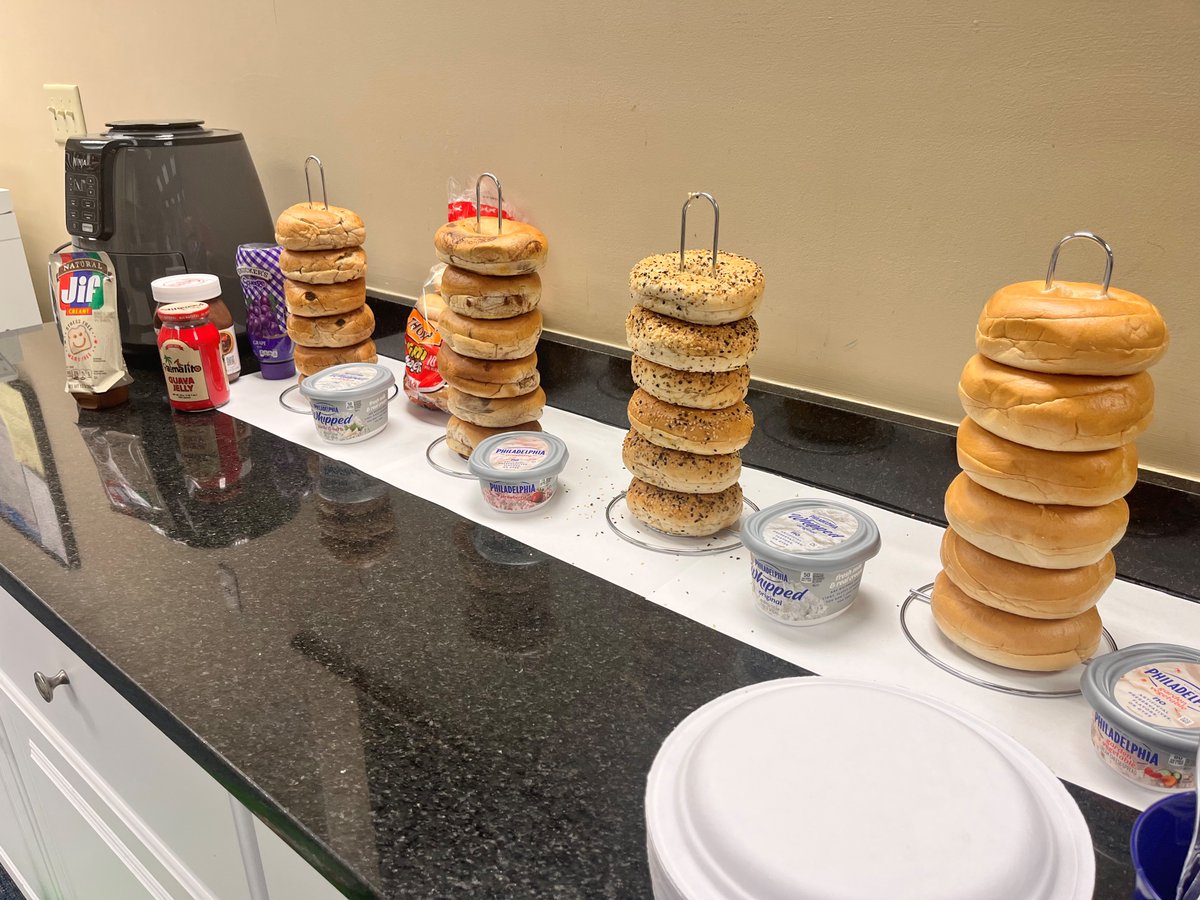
<point>423,384</point>
<point>460,200</point>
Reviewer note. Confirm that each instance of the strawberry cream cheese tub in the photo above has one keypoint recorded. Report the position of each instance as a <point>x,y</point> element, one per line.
<point>1146,713</point>
<point>350,401</point>
<point>807,558</point>
<point>518,471</point>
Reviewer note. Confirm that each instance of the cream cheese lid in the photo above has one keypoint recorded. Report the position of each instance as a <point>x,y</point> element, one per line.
<point>844,790</point>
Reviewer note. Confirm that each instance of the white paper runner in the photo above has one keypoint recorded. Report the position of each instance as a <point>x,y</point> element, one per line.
<point>866,642</point>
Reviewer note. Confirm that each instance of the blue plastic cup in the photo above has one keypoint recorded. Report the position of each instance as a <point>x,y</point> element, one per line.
<point>1159,842</point>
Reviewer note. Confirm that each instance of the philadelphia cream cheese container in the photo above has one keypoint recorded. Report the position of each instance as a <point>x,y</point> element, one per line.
<point>807,558</point>
<point>349,401</point>
<point>518,470</point>
<point>1146,713</point>
<point>752,796</point>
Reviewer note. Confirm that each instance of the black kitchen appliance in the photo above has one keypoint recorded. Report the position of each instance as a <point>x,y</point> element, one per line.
<point>162,197</point>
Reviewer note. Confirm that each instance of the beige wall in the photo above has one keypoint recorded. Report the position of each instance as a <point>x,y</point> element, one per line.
<point>888,164</point>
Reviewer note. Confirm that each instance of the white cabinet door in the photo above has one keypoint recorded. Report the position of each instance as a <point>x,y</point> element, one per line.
<point>21,853</point>
<point>288,875</point>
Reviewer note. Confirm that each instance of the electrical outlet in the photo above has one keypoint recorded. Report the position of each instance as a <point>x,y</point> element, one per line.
<point>66,110</point>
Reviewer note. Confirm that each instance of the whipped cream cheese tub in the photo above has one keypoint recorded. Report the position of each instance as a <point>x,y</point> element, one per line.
<point>349,401</point>
<point>518,470</point>
<point>1146,713</point>
<point>807,558</point>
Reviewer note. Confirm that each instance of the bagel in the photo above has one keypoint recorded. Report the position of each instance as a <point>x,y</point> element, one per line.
<point>323,266</point>
<point>516,249</point>
<point>495,412</point>
<point>1086,478</point>
<point>324,299</point>
<point>491,338</point>
<point>693,293</point>
<point>1044,535</point>
<point>703,431</point>
<point>1071,329</point>
<point>678,470</point>
<point>488,377</point>
<point>311,360</point>
<point>1024,590</point>
<point>462,437</point>
<point>342,330</point>
<point>688,347</point>
<point>699,390</point>
<point>673,512</point>
<point>1032,645</point>
<point>490,296</point>
<point>307,226</point>
<point>1056,412</point>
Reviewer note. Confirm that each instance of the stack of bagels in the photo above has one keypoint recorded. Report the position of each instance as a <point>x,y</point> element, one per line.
<point>325,269</point>
<point>1054,399</point>
<point>692,333</point>
<point>490,328</point>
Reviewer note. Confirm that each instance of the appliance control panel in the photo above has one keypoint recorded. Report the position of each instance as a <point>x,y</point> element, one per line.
<point>85,214</point>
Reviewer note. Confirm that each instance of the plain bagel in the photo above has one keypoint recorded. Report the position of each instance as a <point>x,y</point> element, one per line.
<point>693,293</point>
<point>688,347</point>
<point>490,296</point>
<point>699,390</point>
<point>1045,535</point>
<point>703,431</point>
<point>342,330</point>
<point>311,360</point>
<point>462,437</point>
<point>1056,412</point>
<point>495,412</point>
<point>491,338</point>
<point>1072,329</point>
<point>1032,645</point>
<point>1086,478</point>
<point>324,299</point>
<point>323,266</point>
<point>678,470</point>
<point>483,247</point>
<point>307,226</point>
<point>674,512</point>
<point>1024,590</point>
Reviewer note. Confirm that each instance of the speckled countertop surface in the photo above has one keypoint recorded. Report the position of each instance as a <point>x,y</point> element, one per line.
<point>419,705</point>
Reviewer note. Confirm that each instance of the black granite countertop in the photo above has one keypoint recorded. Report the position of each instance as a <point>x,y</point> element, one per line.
<point>418,704</point>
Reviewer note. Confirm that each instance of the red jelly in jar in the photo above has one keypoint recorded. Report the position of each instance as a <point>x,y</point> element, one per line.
<point>189,345</point>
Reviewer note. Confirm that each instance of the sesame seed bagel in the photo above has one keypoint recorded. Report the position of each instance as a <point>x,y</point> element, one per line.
<point>308,226</point>
<point>674,512</point>
<point>491,338</point>
<point>1074,328</point>
<point>699,390</point>
<point>678,470</point>
<point>515,249</point>
<point>689,347</point>
<point>495,412</point>
<point>694,294</point>
<point>490,296</point>
<point>323,266</point>
<point>703,431</point>
<point>1056,412</point>
<point>324,299</point>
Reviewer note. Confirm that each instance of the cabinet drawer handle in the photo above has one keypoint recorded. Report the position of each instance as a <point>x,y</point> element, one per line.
<point>46,685</point>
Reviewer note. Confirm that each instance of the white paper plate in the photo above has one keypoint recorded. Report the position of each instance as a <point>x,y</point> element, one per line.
<point>846,790</point>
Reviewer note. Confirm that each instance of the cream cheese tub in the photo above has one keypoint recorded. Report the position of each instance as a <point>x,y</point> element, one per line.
<point>349,401</point>
<point>518,471</point>
<point>754,795</point>
<point>1146,713</point>
<point>807,558</point>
